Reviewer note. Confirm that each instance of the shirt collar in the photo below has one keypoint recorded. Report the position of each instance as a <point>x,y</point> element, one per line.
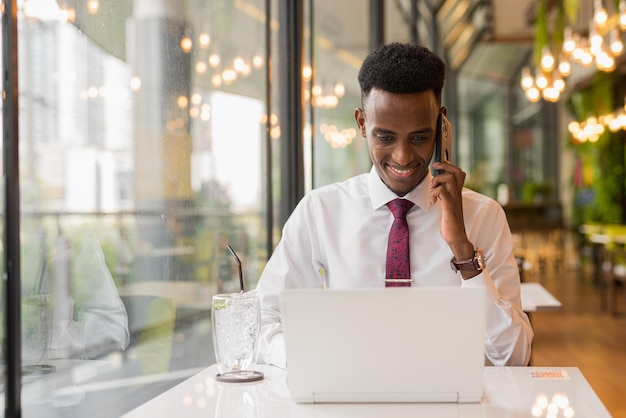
<point>380,193</point>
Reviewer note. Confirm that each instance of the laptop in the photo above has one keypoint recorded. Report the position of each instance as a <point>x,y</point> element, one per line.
<point>418,344</point>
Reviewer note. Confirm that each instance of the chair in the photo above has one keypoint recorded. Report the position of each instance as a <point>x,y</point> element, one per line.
<point>520,259</point>
<point>614,269</point>
<point>592,245</point>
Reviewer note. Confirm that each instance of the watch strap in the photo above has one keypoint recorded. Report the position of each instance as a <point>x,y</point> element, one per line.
<point>474,263</point>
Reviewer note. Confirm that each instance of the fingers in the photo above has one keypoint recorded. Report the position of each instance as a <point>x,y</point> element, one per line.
<point>435,196</point>
<point>452,177</point>
<point>448,183</point>
<point>449,168</point>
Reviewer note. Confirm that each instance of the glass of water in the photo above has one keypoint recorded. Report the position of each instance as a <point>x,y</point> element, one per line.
<point>236,319</point>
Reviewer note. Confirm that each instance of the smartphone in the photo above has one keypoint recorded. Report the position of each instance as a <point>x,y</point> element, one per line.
<point>443,142</point>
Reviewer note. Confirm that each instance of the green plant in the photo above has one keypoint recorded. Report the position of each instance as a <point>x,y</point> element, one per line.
<point>599,175</point>
<point>532,191</point>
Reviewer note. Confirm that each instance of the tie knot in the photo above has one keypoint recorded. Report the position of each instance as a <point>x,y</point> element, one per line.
<point>400,207</point>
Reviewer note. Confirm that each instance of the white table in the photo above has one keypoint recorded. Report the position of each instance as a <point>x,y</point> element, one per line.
<point>508,392</point>
<point>535,297</point>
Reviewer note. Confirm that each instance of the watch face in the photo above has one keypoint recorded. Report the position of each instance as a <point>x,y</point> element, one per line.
<point>481,257</point>
<point>479,260</point>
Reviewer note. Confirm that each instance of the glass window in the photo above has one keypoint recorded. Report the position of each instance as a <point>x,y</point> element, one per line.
<point>341,44</point>
<point>3,287</point>
<point>143,155</point>
<point>397,19</point>
<point>485,150</point>
<point>339,47</point>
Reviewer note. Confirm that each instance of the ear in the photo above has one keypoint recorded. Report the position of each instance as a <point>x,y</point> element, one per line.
<point>444,110</point>
<point>359,116</point>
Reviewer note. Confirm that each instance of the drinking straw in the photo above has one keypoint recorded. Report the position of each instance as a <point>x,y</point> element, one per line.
<point>239,264</point>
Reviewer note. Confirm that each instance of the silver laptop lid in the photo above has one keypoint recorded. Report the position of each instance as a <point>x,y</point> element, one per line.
<point>419,344</point>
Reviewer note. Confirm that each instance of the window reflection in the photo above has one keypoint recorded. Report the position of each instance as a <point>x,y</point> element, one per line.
<point>141,140</point>
<point>339,151</point>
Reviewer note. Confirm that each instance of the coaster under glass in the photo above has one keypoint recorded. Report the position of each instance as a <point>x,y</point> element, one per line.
<point>239,377</point>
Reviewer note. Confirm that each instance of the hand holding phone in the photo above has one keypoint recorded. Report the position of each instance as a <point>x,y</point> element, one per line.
<point>443,142</point>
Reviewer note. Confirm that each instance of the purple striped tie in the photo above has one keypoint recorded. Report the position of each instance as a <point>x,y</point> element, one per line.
<point>398,262</point>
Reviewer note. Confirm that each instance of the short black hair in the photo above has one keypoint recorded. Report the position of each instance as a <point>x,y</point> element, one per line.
<point>402,68</point>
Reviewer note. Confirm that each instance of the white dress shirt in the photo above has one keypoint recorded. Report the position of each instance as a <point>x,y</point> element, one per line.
<point>337,238</point>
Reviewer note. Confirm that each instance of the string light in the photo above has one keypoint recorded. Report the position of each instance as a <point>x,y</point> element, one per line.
<point>593,127</point>
<point>547,60</point>
<point>92,6</point>
<point>186,43</point>
<point>329,100</point>
<point>616,45</point>
<point>201,67</point>
<point>337,138</point>
<point>601,47</point>
<point>257,61</point>
<point>214,60</point>
<point>565,67</point>
<point>600,16</point>
<point>204,40</point>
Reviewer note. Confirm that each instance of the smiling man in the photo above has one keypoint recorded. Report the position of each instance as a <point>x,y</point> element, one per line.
<point>338,235</point>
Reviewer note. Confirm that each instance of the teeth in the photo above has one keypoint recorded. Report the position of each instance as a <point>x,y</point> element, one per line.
<point>401,171</point>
